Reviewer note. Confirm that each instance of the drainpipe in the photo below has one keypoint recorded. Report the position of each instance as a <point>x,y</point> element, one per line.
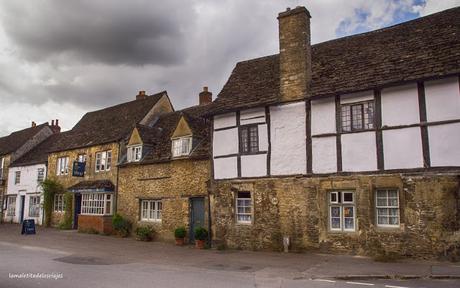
<point>115,203</point>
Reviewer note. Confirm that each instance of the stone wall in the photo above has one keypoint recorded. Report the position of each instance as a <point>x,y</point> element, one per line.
<point>299,208</point>
<point>173,182</point>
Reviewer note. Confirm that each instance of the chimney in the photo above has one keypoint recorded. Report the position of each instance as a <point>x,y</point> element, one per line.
<point>34,124</point>
<point>295,53</point>
<point>205,96</point>
<point>141,95</point>
<point>55,126</point>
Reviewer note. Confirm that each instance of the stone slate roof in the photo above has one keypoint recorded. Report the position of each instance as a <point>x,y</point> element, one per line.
<point>15,140</point>
<point>107,125</point>
<point>39,154</point>
<point>95,186</point>
<point>423,48</point>
<point>157,139</point>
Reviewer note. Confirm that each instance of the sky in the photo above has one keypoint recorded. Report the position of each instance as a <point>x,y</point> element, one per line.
<point>61,59</point>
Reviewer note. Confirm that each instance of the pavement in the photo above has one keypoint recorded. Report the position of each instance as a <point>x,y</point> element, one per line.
<point>54,258</point>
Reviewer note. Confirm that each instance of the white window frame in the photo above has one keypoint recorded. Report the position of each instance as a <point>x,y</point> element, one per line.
<point>135,153</point>
<point>96,203</point>
<point>11,205</point>
<point>59,205</point>
<point>342,205</point>
<point>62,166</point>
<point>388,207</point>
<point>40,175</point>
<point>151,210</point>
<point>181,146</point>
<point>2,165</point>
<point>103,161</point>
<point>17,177</point>
<point>34,203</point>
<point>81,158</point>
<point>245,200</point>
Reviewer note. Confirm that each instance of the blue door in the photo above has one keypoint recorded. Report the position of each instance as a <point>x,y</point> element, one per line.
<point>196,216</point>
<point>77,210</point>
<point>21,208</point>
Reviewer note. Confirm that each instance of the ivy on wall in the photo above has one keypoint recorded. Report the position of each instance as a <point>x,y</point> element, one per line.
<point>50,188</point>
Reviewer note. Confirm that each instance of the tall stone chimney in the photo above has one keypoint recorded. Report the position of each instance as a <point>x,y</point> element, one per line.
<point>205,96</point>
<point>55,126</point>
<point>141,95</point>
<point>295,54</point>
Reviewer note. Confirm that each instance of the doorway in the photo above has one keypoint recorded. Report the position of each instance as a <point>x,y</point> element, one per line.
<point>21,208</point>
<point>77,210</point>
<point>196,216</point>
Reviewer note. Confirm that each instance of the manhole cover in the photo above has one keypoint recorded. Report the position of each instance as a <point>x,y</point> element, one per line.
<point>82,260</point>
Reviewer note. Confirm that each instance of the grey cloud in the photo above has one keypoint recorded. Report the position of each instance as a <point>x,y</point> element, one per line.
<point>110,32</point>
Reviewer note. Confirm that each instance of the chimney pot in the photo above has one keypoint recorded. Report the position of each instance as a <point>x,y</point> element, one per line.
<point>205,96</point>
<point>34,124</point>
<point>52,122</point>
<point>141,95</point>
<point>57,122</point>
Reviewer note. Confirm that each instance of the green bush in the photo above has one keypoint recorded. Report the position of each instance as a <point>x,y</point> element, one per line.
<point>66,223</point>
<point>201,233</point>
<point>144,233</point>
<point>50,188</point>
<point>180,232</point>
<point>121,225</point>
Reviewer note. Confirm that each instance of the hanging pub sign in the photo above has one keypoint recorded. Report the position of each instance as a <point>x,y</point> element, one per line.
<point>28,227</point>
<point>78,169</point>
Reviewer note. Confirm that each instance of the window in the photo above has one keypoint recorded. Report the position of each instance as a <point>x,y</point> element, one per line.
<point>81,158</point>
<point>103,161</point>
<point>341,211</point>
<point>17,177</point>
<point>181,146</point>
<point>387,205</point>
<point>2,165</point>
<point>135,153</point>
<point>34,206</point>
<point>96,204</point>
<point>62,167</point>
<point>357,116</point>
<point>40,175</point>
<point>249,139</point>
<point>11,207</point>
<point>151,210</point>
<point>59,205</point>
<point>244,208</point>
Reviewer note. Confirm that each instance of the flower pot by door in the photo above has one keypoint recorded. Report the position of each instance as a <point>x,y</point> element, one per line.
<point>199,243</point>
<point>180,241</point>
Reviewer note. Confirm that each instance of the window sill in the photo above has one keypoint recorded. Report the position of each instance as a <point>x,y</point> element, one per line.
<point>150,221</point>
<point>390,229</point>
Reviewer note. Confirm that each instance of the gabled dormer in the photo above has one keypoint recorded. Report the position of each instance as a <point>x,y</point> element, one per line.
<point>135,146</point>
<point>181,139</point>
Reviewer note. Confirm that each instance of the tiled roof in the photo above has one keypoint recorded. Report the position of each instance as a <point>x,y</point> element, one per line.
<point>39,154</point>
<point>419,49</point>
<point>15,140</point>
<point>107,125</point>
<point>157,139</point>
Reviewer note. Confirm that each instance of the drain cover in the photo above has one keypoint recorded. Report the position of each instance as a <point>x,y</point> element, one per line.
<point>79,260</point>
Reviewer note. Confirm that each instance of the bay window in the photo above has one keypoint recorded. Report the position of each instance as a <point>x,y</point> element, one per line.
<point>96,204</point>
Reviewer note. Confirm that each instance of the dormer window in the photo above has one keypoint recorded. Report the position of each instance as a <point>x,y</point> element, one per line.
<point>181,146</point>
<point>135,153</point>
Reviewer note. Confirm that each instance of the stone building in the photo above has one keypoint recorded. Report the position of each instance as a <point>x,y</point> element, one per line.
<point>85,159</point>
<point>12,147</point>
<point>165,172</point>
<point>351,144</point>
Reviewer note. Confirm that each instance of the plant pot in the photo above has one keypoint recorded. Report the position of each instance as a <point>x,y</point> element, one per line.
<point>180,241</point>
<point>200,244</point>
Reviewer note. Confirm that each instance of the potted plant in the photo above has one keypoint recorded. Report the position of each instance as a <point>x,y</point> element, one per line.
<point>201,234</point>
<point>121,225</point>
<point>144,233</point>
<point>179,234</point>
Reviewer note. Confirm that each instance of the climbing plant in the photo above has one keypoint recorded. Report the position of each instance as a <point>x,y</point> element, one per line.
<point>50,188</point>
<point>66,222</point>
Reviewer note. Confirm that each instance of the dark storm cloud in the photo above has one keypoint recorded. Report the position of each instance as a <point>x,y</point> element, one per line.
<point>109,32</point>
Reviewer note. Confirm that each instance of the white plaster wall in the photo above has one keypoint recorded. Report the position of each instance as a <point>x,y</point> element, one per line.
<point>444,144</point>
<point>254,165</point>
<point>400,105</point>
<point>324,154</point>
<point>225,142</point>
<point>250,116</point>
<point>288,139</point>
<point>263,137</point>
<point>224,120</point>
<point>359,152</point>
<point>225,168</point>
<point>402,148</point>
<point>442,99</point>
<point>357,97</point>
<point>323,116</point>
<point>27,187</point>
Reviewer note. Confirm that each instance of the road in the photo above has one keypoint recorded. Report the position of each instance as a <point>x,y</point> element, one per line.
<point>77,271</point>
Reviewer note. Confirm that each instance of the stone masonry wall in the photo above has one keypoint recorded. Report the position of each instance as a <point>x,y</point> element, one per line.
<point>298,208</point>
<point>173,182</point>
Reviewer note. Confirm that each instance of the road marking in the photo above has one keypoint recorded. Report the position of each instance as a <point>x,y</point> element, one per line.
<point>324,280</point>
<point>392,286</point>
<point>360,283</point>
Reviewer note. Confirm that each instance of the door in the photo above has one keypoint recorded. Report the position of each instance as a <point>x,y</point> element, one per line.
<point>77,210</point>
<point>21,208</point>
<point>196,216</point>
